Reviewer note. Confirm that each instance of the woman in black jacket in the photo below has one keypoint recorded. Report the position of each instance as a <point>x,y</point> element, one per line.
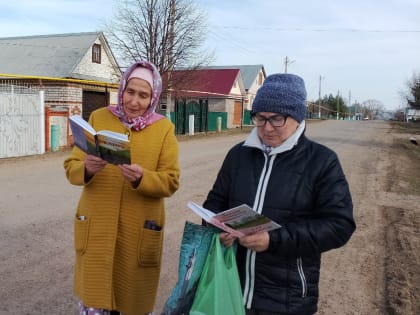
<point>297,183</point>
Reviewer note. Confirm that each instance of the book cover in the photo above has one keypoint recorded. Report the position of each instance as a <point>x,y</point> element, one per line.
<point>238,221</point>
<point>111,146</point>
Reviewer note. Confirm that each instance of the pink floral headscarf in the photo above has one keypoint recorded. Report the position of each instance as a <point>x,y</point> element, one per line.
<point>150,116</point>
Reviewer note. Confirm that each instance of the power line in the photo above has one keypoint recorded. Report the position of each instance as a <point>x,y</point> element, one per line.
<point>348,30</point>
<point>231,41</point>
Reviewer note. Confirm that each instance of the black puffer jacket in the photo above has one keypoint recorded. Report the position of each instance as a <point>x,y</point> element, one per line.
<point>304,189</point>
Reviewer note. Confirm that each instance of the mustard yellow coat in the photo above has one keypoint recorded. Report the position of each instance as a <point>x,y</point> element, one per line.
<point>118,261</point>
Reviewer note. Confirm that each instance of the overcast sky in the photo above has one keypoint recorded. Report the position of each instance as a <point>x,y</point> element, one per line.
<point>363,49</point>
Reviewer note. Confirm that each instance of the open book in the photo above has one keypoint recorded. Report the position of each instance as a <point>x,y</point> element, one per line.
<point>238,221</point>
<point>111,146</point>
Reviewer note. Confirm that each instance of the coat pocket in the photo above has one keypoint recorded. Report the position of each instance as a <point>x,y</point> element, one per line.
<point>81,232</point>
<point>149,247</point>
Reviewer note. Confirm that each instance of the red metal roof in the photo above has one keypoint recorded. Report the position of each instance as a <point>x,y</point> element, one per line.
<point>212,83</point>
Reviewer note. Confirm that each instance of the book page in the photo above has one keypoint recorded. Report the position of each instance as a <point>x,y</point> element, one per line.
<point>244,219</point>
<point>111,146</point>
<point>113,149</point>
<point>242,215</point>
<point>238,221</point>
<point>112,134</point>
<point>202,212</point>
<point>83,135</point>
<point>82,123</point>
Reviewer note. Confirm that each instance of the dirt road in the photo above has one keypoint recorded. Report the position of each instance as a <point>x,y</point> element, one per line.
<point>377,272</point>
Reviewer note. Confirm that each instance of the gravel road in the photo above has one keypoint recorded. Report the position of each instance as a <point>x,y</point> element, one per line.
<point>377,272</point>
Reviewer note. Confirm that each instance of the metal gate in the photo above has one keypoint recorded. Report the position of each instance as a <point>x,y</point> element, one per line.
<point>22,121</point>
<point>183,110</point>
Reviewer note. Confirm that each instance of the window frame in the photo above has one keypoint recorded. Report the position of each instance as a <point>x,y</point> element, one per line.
<point>96,53</point>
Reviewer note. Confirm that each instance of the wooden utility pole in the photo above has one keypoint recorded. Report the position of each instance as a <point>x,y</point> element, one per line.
<point>287,61</point>
<point>319,98</point>
<point>350,103</point>
<point>170,59</point>
<point>338,105</point>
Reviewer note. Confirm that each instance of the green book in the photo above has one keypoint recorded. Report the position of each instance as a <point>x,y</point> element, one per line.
<point>111,146</point>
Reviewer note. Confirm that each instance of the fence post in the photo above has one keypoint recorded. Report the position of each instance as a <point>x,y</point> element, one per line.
<point>191,125</point>
<point>219,124</point>
<point>42,121</point>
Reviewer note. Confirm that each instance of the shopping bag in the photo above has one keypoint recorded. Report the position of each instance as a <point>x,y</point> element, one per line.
<point>219,289</point>
<point>196,241</point>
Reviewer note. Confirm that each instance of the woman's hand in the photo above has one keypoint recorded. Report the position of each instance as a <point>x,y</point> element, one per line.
<point>227,239</point>
<point>93,164</point>
<point>257,242</point>
<point>132,173</point>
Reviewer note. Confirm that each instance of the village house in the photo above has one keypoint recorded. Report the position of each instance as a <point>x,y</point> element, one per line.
<point>211,93</point>
<point>77,72</point>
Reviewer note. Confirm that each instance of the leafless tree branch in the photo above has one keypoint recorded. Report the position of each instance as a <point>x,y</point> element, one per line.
<point>169,33</point>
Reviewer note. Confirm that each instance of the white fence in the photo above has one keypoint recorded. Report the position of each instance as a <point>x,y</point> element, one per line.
<point>413,114</point>
<point>22,121</point>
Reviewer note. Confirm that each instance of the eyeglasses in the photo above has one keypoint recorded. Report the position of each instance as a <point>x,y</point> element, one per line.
<point>275,120</point>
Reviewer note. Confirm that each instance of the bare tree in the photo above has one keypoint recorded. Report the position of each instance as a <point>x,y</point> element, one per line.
<point>168,33</point>
<point>370,108</point>
<point>413,95</point>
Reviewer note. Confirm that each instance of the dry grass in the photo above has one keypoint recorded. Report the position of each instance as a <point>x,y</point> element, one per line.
<point>410,153</point>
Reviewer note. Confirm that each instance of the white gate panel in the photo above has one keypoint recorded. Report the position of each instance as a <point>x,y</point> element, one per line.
<point>22,124</point>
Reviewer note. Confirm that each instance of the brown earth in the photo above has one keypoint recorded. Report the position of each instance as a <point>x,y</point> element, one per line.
<point>377,272</point>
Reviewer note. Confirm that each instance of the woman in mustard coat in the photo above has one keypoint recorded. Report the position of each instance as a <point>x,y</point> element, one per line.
<point>118,250</point>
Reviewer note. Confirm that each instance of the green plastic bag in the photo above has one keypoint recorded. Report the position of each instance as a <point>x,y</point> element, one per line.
<point>219,289</point>
<point>195,245</point>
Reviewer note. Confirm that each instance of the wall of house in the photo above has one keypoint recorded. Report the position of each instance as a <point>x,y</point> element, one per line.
<point>223,105</point>
<point>236,90</point>
<point>252,91</point>
<point>113,98</point>
<point>56,118</point>
<point>68,95</point>
<point>217,105</point>
<point>103,70</point>
<point>64,95</point>
<point>71,95</point>
<point>229,109</point>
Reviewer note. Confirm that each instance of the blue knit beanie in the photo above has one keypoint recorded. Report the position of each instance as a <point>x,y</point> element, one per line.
<point>283,94</point>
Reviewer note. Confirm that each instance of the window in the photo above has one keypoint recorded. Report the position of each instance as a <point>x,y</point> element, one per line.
<point>96,53</point>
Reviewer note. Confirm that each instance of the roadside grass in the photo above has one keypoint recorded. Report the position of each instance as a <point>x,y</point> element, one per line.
<point>401,235</point>
<point>407,127</point>
<point>410,154</point>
